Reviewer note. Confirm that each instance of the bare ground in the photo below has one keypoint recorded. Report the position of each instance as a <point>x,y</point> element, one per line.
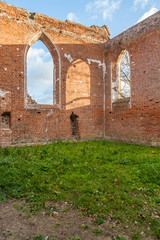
<point>16,223</point>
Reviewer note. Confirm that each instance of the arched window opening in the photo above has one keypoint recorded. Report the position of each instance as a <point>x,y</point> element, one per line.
<point>40,74</point>
<point>124,83</point>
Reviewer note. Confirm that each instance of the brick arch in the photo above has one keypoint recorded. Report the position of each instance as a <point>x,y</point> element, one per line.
<point>52,48</point>
<point>120,56</point>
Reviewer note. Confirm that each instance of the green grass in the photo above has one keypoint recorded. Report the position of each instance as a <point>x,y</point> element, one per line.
<point>120,238</point>
<point>97,231</point>
<point>104,178</point>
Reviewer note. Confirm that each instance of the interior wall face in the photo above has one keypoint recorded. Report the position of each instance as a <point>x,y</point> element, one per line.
<point>135,120</point>
<point>77,53</point>
<point>85,79</point>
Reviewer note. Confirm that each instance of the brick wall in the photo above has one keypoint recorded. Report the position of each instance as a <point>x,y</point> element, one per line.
<point>78,57</point>
<point>85,60</point>
<point>136,120</point>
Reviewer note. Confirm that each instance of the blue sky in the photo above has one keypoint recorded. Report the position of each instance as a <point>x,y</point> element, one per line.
<point>118,15</point>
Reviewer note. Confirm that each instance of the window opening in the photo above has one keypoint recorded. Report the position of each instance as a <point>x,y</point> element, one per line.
<point>124,76</point>
<point>40,74</point>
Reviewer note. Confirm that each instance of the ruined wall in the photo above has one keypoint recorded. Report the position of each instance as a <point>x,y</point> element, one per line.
<point>79,85</point>
<point>136,119</point>
<point>85,81</point>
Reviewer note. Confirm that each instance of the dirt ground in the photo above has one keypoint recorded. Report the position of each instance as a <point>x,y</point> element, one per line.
<point>66,223</point>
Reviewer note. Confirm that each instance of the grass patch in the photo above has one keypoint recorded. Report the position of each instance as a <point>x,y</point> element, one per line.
<point>84,227</point>
<point>120,238</point>
<point>102,178</point>
<point>97,231</point>
<point>99,221</point>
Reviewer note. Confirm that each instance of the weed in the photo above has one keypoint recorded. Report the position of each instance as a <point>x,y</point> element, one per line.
<point>155,226</point>
<point>99,221</point>
<point>97,231</point>
<point>29,216</point>
<point>10,233</point>
<point>57,225</point>
<point>70,223</point>
<point>120,238</point>
<point>136,236</point>
<point>38,238</point>
<point>84,227</point>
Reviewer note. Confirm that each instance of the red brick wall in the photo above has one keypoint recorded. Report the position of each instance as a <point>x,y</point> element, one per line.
<point>139,120</point>
<point>85,61</point>
<point>79,82</point>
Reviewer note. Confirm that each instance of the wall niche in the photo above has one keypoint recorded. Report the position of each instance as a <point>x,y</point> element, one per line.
<point>6,120</point>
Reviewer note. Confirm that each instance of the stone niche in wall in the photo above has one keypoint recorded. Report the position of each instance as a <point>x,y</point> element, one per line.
<point>6,120</point>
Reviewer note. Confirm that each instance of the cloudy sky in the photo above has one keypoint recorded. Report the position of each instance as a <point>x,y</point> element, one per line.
<point>118,15</point>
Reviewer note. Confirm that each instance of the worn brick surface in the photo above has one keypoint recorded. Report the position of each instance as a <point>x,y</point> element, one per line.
<point>137,121</point>
<point>85,60</point>
<point>78,57</point>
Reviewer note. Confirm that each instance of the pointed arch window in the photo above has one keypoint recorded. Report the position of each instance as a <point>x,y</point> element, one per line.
<point>43,78</point>
<point>40,72</point>
<point>123,75</point>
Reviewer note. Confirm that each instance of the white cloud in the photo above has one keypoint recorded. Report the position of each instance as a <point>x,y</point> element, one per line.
<point>147,14</point>
<point>105,7</point>
<point>143,3</point>
<point>40,75</point>
<point>72,17</point>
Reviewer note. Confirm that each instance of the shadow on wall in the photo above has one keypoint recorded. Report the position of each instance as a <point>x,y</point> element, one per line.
<point>76,72</point>
<point>78,88</point>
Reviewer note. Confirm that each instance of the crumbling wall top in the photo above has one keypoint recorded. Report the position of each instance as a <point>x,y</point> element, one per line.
<point>140,29</point>
<point>99,34</point>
